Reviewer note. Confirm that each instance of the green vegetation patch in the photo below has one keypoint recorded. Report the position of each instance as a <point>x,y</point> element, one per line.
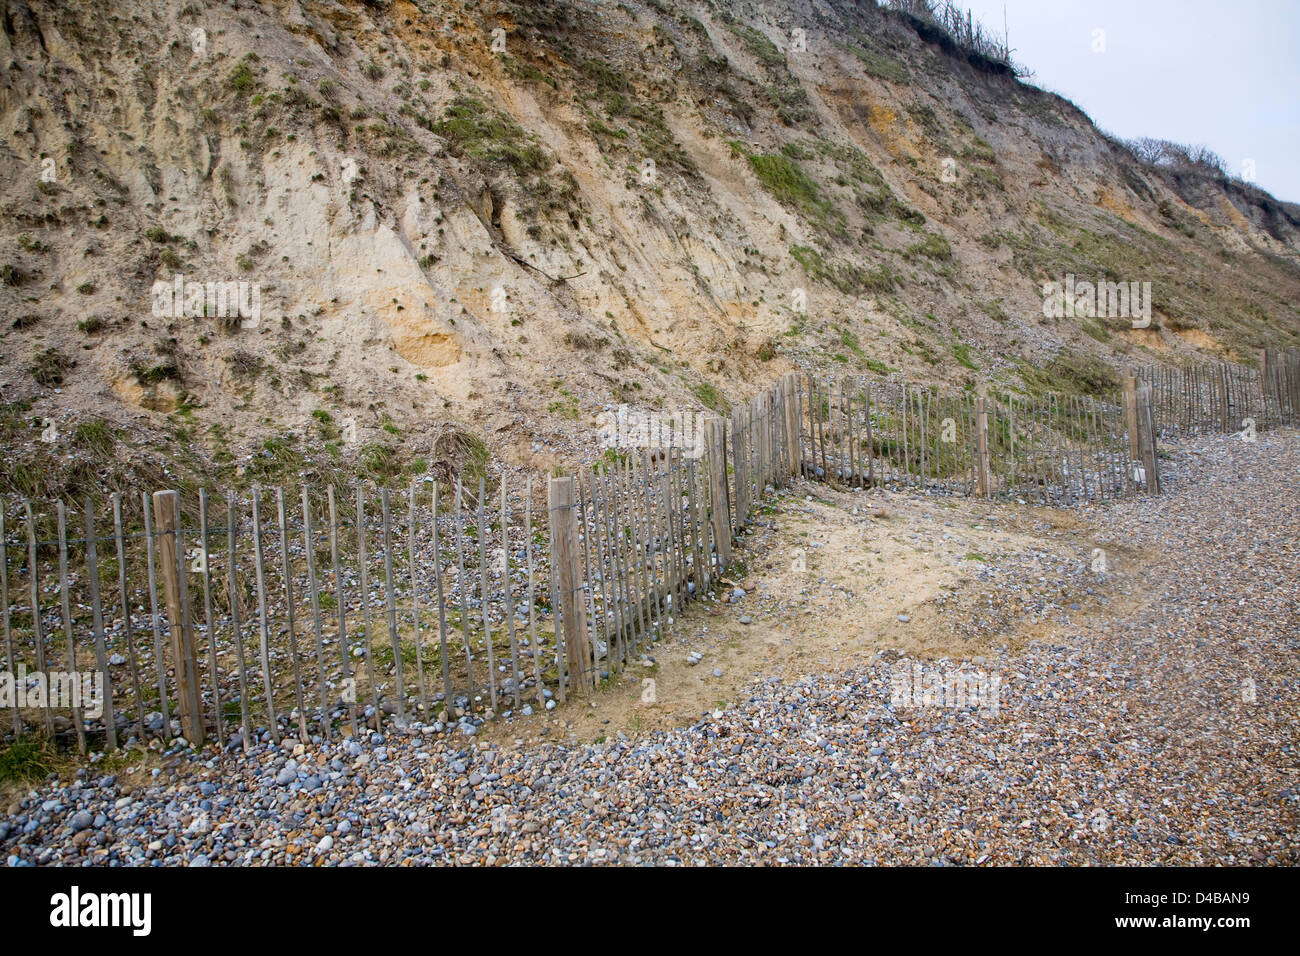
<point>1071,371</point>
<point>711,397</point>
<point>961,352</point>
<point>763,49</point>
<point>844,276</point>
<point>933,246</point>
<point>26,760</point>
<point>787,182</point>
<point>473,129</point>
<point>878,65</point>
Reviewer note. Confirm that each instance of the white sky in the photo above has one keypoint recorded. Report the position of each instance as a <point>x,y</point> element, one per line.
<point>1219,73</point>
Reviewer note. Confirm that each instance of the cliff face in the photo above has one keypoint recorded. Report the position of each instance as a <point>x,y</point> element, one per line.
<point>503,217</point>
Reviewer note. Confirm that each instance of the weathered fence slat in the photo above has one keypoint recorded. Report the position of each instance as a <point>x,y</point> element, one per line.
<point>232,526</point>
<point>367,618</point>
<point>564,558</point>
<point>508,587</point>
<point>214,673</point>
<point>286,571</point>
<point>128,631</point>
<point>349,683</point>
<point>160,663</point>
<point>412,521</point>
<point>65,604</point>
<point>462,587</point>
<point>447,696</point>
<point>97,622</point>
<point>482,530</point>
<point>264,626</point>
<point>532,592</point>
<point>585,525</point>
<point>313,596</point>
<point>10,654</point>
<point>390,602</point>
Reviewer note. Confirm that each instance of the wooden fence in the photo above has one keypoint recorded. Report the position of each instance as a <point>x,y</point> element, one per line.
<point>1222,397</point>
<point>285,611</point>
<point>1052,449</point>
<point>320,611</point>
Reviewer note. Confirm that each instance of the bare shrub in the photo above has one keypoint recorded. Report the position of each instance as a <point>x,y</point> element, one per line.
<point>962,28</point>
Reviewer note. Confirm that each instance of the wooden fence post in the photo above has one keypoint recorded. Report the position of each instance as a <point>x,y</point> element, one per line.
<point>1286,385</point>
<point>97,609</point>
<point>171,554</point>
<point>982,448</point>
<point>719,508</point>
<point>1263,385</point>
<point>1225,401</point>
<point>1147,438</point>
<point>790,407</point>
<point>1130,413</point>
<point>740,461</point>
<point>564,559</point>
<point>1293,376</point>
<point>9,637</point>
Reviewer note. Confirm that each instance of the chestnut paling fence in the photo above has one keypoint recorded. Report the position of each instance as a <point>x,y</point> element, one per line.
<point>1050,449</point>
<point>316,611</point>
<point>1226,398</point>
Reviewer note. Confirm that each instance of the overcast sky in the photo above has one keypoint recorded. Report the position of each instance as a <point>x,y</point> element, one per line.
<point>1219,73</point>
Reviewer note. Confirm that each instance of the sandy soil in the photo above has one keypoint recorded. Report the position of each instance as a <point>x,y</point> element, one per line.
<point>830,576</point>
